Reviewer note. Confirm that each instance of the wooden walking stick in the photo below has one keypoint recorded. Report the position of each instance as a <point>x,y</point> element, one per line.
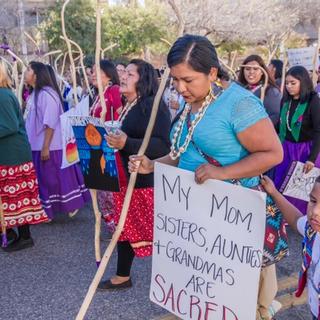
<point>283,79</point>
<point>33,41</point>
<point>62,69</point>
<point>3,226</point>
<point>20,89</point>
<point>124,211</point>
<point>107,49</point>
<point>316,61</point>
<point>97,61</point>
<point>97,230</point>
<point>83,67</point>
<point>94,199</point>
<point>233,60</point>
<point>66,39</point>
<point>229,69</point>
<point>56,61</point>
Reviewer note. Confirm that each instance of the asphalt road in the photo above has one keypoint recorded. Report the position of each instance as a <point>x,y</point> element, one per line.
<point>50,280</point>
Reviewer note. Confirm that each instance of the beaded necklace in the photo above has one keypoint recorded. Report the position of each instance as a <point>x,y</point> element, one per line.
<point>126,109</point>
<point>175,150</point>
<point>287,117</point>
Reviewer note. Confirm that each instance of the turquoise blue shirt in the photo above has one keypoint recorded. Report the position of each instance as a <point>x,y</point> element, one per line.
<point>235,110</point>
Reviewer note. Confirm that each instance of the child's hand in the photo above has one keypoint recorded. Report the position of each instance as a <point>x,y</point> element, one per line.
<point>268,185</point>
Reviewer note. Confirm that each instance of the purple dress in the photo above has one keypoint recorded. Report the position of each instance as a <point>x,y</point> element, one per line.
<point>61,190</point>
<point>305,149</point>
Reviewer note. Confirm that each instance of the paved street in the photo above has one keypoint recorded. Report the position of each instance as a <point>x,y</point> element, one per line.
<point>50,280</point>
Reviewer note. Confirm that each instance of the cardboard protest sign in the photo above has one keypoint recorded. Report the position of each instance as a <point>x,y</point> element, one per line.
<point>298,184</point>
<point>208,247</point>
<point>97,159</point>
<point>70,154</point>
<point>303,57</point>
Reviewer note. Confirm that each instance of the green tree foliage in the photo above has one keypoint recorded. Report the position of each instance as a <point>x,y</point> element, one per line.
<point>132,28</point>
<point>79,21</point>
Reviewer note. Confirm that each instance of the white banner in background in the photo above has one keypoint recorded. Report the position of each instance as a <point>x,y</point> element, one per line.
<point>303,57</point>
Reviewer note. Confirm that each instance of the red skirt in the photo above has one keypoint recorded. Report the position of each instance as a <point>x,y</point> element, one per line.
<point>20,195</point>
<point>138,229</point>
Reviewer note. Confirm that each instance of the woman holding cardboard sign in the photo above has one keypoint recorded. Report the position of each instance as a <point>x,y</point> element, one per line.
<point>299,128</point>
<point>221,136</point>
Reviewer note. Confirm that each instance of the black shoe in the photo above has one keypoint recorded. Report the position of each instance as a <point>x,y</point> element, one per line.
<point>108,285</point>
<point>11,236</point>
<point>19,244</point>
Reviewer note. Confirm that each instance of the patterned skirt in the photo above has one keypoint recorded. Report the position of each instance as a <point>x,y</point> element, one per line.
<point>20,195</point>
<point>138,229</point>
<point>61,190</point>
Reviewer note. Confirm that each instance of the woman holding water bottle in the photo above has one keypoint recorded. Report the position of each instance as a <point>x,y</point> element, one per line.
<point>138,85</point>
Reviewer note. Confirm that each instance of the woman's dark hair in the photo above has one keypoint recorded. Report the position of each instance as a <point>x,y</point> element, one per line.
<point>110,71</point>
<point>197,51</point>
<point>43,79</point>
<point>278,65</point>
<point>78,79</point>
<point>54,81</point>
<point>223,74</point>
<point>306,86</point>
<point>147,85</point>
<point>259,60</point>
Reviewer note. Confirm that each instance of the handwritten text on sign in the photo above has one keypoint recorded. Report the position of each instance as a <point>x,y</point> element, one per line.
<point>208,245</point>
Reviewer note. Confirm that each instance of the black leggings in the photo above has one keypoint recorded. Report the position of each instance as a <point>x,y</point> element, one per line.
<point>125,258</point>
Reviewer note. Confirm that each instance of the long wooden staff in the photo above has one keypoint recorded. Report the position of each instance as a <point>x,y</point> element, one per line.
<point>229,69</point>
<point>62,69</point>
<point>108,48</point>
<point>51,53</point>
<point>3,226</point>
<point>97,231</point>
<point>33,41</point>
<point>266,79</point>
<point>316,61</point>
<point>83,67</point>
<point>15,76</point>
<point>124,211</point>
<point>94,199</point>
<point>233,60</point>
<point>73,68</point>
<point>56,61</point>
<point>97,61</point>
<point>283,79</point>
<point>20,89</point>
<point>15,56</point>
<point>166,41</point>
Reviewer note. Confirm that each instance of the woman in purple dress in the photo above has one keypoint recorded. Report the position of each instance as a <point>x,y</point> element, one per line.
<point>61,190</point>
<point>299,127</point>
